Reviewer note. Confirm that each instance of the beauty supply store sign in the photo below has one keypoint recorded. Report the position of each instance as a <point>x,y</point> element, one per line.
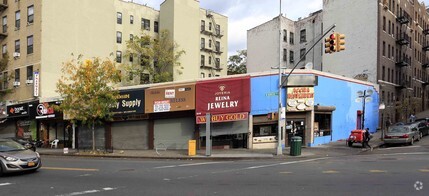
<point>170,99</point>
<point>129,102</point>
<point>300,99</point>
<point>226,100</point>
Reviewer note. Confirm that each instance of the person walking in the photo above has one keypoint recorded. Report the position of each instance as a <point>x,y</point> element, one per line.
<point>367,137</point>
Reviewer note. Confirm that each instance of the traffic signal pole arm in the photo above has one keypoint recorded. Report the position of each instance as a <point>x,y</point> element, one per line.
<point>311,48</point>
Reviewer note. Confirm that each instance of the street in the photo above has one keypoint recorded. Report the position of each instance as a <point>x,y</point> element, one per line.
<point>397,170</point>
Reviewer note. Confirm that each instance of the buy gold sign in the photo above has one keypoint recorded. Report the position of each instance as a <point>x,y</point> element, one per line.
<point>224,117</point>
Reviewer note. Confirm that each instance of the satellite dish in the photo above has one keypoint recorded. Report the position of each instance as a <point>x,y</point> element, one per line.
<point>358,100</point>
<point>360,93</point>
<point>368,99</point>
<point>309,65</point>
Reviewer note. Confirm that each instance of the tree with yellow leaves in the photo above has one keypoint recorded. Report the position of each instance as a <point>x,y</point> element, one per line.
<point>87,88</point>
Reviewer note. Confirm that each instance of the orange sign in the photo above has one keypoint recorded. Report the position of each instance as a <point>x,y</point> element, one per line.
<point>224,117</point>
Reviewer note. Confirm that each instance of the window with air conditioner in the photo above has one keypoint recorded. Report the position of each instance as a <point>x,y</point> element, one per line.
<point>29,75</point>
<point>17,78</point>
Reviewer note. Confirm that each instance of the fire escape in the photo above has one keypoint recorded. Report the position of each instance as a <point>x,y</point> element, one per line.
<point>403,60</point>
<point>214,40</point>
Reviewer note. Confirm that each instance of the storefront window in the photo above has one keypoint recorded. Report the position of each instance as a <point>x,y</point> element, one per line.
<point>322,124</point>
<point>265,130</point>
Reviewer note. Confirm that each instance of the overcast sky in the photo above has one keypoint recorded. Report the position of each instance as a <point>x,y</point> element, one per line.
<point>246,14</point>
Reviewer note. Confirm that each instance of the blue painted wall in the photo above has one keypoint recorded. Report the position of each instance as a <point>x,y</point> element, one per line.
<point>342,95</point>
<point>264,92</point>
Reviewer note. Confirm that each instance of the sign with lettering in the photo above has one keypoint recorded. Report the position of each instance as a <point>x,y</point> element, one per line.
<point>300,98</point>
<point>223,117</point>
<point>129,102</point>
<point>19,110</point>
<point>223,96</point>
<point>36,84</point>
<point>170,99</point>
<point>46,110</point>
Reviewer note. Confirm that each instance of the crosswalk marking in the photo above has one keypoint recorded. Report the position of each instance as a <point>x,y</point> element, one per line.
<point>89,191</point>
<point>377,171</point>
<point>69,169</point>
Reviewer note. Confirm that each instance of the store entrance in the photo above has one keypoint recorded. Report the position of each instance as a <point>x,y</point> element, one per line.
<point>295,127</point>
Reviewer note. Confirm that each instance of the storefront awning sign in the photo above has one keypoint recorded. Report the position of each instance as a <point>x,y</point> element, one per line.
<point>129,102</point>
<point>300,99</point>
<point>223,96</point>
<point>223,117</point>
<point>170,99</point>
<point>46,110</point>
<point>19,110</point>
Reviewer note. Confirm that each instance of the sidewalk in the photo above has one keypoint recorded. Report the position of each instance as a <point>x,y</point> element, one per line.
<point>338,148</point>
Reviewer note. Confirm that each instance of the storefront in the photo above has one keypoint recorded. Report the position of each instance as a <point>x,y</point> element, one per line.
<point>20,122</point>
<point>130,127</point>
<point>228,103</point>
<point>52,126</point>
<point>171,110</point>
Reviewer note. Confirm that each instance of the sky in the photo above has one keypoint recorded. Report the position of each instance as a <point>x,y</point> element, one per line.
<point>246,14</point>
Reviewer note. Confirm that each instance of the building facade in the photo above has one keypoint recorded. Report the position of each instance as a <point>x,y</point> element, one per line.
<point>38,36</point>
<point>283,41</point>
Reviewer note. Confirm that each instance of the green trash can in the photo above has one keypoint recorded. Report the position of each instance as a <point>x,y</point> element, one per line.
<point>295,146</point>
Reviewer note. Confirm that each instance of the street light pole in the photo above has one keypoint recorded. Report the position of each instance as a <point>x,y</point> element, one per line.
<point>279,127</point>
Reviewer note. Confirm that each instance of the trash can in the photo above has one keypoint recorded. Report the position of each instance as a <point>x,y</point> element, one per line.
<point>192,147</point>
<point>295,147</point>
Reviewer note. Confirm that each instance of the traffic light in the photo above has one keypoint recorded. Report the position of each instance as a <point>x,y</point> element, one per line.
<point>330,43</point>
<point>341,42</point>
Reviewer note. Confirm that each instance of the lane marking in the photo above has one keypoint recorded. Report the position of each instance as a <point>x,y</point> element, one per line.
<point>330,172</point>
<point>89,191</point>
<point>5,184</point>
<point>187,165</point>
<point>377,171</point>
<point>286,172</point>
<point>285,163</point>
<point>406,153</point>
<point>69,169</point>
<point>424,170</point>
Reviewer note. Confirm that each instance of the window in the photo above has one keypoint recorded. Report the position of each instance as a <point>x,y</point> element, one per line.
<point>384,49</point>
<point>118,56</point>
<point>118,37</point>
<point>202,60</point>
<point>284,54</point>
<point>210,75</point>
<point>388,50</point>
<point>4,22</point>
<point>130,76</point>
<point>217,29</point>
<point>210,43</point>
<point>17,75</point>
<point>131,37</point>
<point>145,24</point>
<point>291,38</point>
<point>119,18</point>
<point>388,74</point>
<point>324,122</point>
<point>131,57</point>
<point>384,23</point>
<point>210,26</point>
<point>203,43</point>
<point>217,46</point>
<point>284,35</point>
<point>291,60</point>
<point>383,70</point>
<point>30,14</point>
<point>30,72</point>
<point>4,49</point>
<point>303,36</point>
<point>203,25</point>
<point>5,80</point>
<point>210,60</point>
<point>17,20</point>
<point>17,46</point>
<point>203,75</point>
<point>390,28</point>
<point>302,53</point>
<point>131,19</point>
<point>144,78</point>
<point>156,27</point>
<point>30,44</point>
<point>217,62</point>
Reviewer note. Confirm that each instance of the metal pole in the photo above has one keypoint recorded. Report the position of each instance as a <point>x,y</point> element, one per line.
<point>363,110</point>
<point>208,136</point>
<point>279,125</point>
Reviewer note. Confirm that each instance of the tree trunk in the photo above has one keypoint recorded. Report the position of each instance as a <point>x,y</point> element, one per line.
<point>93,137</point>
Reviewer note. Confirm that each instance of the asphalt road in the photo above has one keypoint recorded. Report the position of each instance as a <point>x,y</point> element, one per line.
<point>399,170</point>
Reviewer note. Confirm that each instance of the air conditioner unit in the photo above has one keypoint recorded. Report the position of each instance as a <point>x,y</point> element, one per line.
<point>16,83</point>
<point>16,54</point>
<point>29,81</point>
